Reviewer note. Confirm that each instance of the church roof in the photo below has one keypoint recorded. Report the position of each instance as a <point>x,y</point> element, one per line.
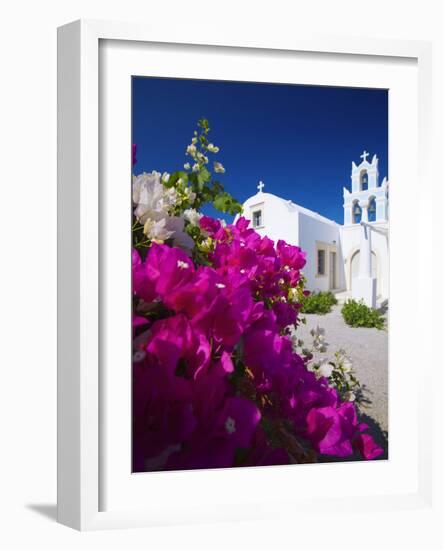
<point>293,207</point>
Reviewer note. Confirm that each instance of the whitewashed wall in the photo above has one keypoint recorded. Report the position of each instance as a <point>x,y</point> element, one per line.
<point>350,241</point>
<point>311,231</point>
<point>279,222</point>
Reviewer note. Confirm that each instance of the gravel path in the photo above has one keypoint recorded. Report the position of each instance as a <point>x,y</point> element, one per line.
<point>368,350</point>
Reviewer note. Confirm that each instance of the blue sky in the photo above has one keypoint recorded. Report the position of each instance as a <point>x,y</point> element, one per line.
<point>300,140</point>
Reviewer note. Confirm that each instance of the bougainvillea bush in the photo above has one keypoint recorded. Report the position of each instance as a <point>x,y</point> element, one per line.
<point>216,380</point>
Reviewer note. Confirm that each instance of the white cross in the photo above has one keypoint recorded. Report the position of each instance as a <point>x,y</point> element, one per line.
<point>260,186</point>
<point>364,155</point>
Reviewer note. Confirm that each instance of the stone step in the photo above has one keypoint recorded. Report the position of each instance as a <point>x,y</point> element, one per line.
<point>343,295</point>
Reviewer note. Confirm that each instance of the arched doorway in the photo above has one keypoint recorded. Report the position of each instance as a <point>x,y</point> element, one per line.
<point>355,265</point>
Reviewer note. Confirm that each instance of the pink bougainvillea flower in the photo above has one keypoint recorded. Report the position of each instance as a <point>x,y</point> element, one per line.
<point>238,420</point>
<point>285,314</point>
<point>291,255</point>
<point>261,453</point>
<point>139,321</point>
<point>169,268</point>
<point>241,227</point>
<point>231,428</point>
<point>209,225</point>
<point>173,340</point>
<point>325,431</point>
<point>196,295</point>
<point>332,430</point>
<point>365,444</point>
<point>221,307</point>
<point>310,393</point>
<point>163,416</point>
<point>209,323</point>
<point>230,312</point>
<point>141,286</point>
<point>226,362</point>
<point>268,354</point>
<point>164,270</point>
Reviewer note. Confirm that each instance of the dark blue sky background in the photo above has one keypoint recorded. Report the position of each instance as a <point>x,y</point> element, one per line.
<point>300,140</point>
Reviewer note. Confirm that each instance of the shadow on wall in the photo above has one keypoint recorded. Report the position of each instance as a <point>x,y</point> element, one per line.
<point>384,306</point>
<point>341,268</point>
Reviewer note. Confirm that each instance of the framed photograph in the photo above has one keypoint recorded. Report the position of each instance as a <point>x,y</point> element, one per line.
<point>236,221</point>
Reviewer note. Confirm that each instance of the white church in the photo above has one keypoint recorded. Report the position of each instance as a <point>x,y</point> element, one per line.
<point>350,260</point>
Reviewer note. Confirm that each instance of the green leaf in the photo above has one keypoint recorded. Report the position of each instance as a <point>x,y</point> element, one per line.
<point>204,124</point>
<point>222,202</point>
<point>203,176</point>
<point>174,177</point>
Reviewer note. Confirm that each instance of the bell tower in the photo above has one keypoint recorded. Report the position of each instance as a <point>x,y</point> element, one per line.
<point>367,201</point>
<point>365,176</point>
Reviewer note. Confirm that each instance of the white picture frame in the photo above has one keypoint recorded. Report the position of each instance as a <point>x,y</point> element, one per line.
<point>80,411</point>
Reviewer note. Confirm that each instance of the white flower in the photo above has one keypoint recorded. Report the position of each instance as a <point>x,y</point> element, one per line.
<point>219,168</point>
<point>346,365</point>
<point>182,265</point>
<point>192,216</point>
<point>318,332</point>
<point>318,339</point>
<point>344,361</point>
<point>187,166</point>
<point>151,198</point>
<point>180,237</point>
<point>206,245</point>
<point>157,230</point>
<point>310,366</point>
<point>141,183</point>
<point>183,241</point>
<point>138,356</point>
<point>191,150</point>
<point>194,140</point>
<point>202,157</point>
<point>213,148</point>
<point>195,167</point>
<point>168,227</point>
<point>325,369</point>
<point>165,177</point>
<point>190,195</point>
<point>230,425</point>
<point>349,396</point>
